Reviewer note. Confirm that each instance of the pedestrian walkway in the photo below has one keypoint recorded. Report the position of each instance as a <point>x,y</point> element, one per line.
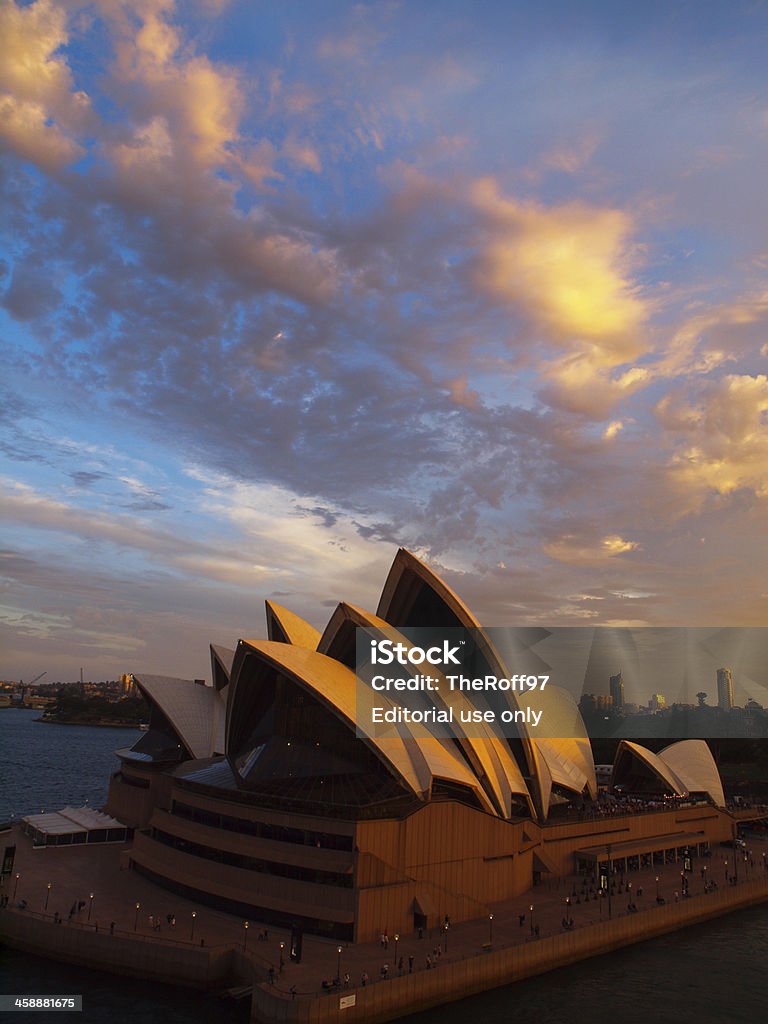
<point>85,887</point>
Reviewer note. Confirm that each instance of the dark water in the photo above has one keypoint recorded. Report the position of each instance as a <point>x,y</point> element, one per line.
<point>715,973</point>
<point>108,998</point>
<point>45,767</point>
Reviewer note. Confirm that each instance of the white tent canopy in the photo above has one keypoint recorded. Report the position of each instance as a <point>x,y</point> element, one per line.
<point>73,825</point>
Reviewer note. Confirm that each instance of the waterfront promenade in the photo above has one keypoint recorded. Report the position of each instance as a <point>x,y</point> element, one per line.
<point>213,949</point>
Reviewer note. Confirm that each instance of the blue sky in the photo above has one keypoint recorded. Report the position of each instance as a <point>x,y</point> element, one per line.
<point>285,286</point>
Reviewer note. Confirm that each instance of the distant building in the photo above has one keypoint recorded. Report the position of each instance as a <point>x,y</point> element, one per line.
<point>591,702</point>
<point>658,702</point>
<point>616,690</point>
<point>603,773</point>
<point>724,689</point>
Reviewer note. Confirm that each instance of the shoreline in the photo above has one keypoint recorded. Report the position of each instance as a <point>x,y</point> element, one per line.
<point>76,721</point>
<point>102,724</point>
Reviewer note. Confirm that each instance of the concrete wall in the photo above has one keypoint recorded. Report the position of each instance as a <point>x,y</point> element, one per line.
<point>252,812</point>
<point>316,858</point>
<point>122,953</point>
<point>133,804</point>
<point>286,895</point>
<point>561,840</point>
<point>391,999</point>
<point>454,858</point>
<point>458,861</point>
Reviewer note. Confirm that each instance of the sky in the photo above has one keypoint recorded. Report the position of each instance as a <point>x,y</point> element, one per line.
<point>284,286</point>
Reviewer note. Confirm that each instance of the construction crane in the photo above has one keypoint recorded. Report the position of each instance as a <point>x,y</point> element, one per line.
<point>33,681</point>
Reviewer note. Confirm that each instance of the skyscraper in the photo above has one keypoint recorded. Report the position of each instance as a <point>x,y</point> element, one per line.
<point>724,689</point>
<point>617,690</point>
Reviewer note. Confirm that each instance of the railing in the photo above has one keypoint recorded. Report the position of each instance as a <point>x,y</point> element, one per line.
<point>99,929</point>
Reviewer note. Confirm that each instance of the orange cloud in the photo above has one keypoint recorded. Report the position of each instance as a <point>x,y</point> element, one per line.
<point>571,549</point>
<point>581,384</point>
<point>724,441</point>
<point>566,268</point>
<point>40,110</point>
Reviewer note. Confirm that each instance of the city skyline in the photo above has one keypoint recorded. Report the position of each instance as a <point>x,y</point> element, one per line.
<point>285,287</point>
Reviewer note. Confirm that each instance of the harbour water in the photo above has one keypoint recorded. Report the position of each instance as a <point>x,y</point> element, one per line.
<point>45,767</point>
<point>711,974</point>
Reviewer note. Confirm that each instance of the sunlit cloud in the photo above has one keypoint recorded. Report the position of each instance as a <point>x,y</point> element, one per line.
<point>613,429</point>
<point>567,268</point>
<point>723,444</point>
<point>41,110</point>
<point>570,548</point>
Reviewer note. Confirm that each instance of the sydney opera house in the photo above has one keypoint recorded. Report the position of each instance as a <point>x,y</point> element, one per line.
<point>258,793</point>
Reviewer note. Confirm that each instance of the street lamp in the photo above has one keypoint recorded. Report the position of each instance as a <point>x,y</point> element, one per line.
<point>192,929</point>
<point>397,939</point>
<point>735,859</point>
<point>90,905</point>
<point>338,963</point>
<point>726,868</point>
<point>245,935</point>
<point>445,930</point>
<point>136,918</point>
<point>48,894</point>
<point>657,888</point>
<point>18,876</point>
<point>610,911</point>
<point>490,929</point>
<point>282,959</point>
<point>531,912</point>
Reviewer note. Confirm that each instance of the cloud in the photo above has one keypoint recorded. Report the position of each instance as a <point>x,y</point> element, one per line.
<point>572,549</point>
<point>31,292</point>
<point>373,302</point>
<point>23,504</point>
<point>41,111</point>
<point>567,269</point>
<point>580,384</point>
<point>715,333</point>
<point>569,157</point>
<point>613,429</point>
<point>722,442</point>
<point>86,478</point>
<point>198,103</point>
<point>358,40</point>
<point>565,272</point>
<point>174,164</point>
